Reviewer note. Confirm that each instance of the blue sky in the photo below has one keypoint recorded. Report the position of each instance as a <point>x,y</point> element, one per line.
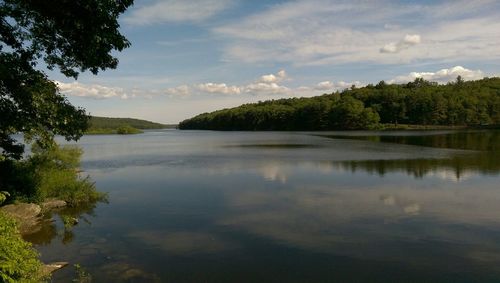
<point>189,57</point>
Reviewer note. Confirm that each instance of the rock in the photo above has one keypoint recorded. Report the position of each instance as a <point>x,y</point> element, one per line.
<point>53,204</point>
<point>125,272</point>
<point>28,216</point>
<point>49,268</point>
<point>22,210</point>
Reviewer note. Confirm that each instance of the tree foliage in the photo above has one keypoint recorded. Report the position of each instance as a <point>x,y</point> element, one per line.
<point>71,35</point>
<point>58,177</point>
<point>419,102</point>
<point>114,123</point>
<point>18,259</point>
<point>48,173</point>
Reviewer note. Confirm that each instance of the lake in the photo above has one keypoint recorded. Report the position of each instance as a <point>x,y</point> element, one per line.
<point>203,206</point>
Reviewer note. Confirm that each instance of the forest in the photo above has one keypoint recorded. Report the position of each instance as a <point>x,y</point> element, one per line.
<point>105,122</point>
<point>458,103</point>
<point>106,125</point>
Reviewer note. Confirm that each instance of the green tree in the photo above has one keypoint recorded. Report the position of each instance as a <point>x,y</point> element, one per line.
<point>351,114</point>
<point>468,103</point>
<point>75,37</point>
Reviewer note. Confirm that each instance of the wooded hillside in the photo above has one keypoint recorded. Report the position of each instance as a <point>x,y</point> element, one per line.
<point>113,123</point>
<point>472,103</point>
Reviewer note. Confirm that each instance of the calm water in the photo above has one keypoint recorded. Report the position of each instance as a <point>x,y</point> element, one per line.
<point>201,206</point>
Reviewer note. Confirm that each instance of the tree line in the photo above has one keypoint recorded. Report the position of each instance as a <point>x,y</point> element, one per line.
<point>114,123</point>
<point>458,103</point>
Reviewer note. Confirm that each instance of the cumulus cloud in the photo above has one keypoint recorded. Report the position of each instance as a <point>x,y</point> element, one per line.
<point>92,91</point>
<point>271,84</point>
<point>408,41</point>
<point>326,86</point>
<point>182,90</point>
<point>266,88</point>
<point>220,88</point>
<point>264,85</point>
<point>441,76</point>
<point>273,78</point>
<point>165,11</point>
<point>268,84</point>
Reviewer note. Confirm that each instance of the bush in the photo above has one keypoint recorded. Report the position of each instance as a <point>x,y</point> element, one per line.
<point>58,176</point>
<point>18,178</point>
<point>127,130</point>
<point>48,173</point>
<point>18,260</point>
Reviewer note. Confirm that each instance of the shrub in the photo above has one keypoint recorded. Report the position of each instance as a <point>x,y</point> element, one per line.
<point>18,260</point>
<point>58,176</point>
<point>127,130</point>
<point>18,178</point>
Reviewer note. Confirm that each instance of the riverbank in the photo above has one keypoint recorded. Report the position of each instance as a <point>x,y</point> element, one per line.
<point>410,127</point>
<point>45,184</point>
<point>126,130</point>
<point>19,261</point>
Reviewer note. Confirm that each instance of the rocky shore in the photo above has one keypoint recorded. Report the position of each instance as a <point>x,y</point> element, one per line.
<point>30,218</point>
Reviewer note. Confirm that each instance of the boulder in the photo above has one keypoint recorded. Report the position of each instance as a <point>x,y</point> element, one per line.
<point>28,216</point>
<point>49,268</point>
<point>52,204</point>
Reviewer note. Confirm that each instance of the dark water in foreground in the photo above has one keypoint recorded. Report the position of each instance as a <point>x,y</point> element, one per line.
<point>200,206</point>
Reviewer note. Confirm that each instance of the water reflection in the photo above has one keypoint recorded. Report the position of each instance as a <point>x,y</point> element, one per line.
<point>483,140</point>
<point>292,207</point>
<point>59,223</point>
<point>457,167</point>
<point>366,222</point>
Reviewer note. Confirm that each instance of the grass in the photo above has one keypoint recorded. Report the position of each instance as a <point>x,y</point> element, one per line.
<point>58,176</point>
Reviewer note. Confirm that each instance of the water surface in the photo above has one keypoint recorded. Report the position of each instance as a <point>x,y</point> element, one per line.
<point>202,206</point>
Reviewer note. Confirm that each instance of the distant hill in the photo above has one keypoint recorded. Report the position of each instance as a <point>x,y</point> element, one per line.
<point>113,123</point>
<point>415,104</point>
<point>106,125</point>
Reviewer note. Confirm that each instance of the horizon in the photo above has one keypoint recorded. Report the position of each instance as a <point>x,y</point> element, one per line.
<point>192,57</point>
<point>272,99</point>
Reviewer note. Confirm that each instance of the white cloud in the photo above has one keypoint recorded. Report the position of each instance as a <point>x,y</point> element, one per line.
<point>273,78</point>
<point>220,88</point>
<point>326,85</point>
<point>266,88</point>
<point>268,84</point>
<point>441,76</point>
<point>265,85</point>
<point>332,86</point>
<point>411,39</point>
<point>182,90</point>
<point>395,47</point>
<point>93,91</point>
<point>321,32</point>
<point>165,11</point>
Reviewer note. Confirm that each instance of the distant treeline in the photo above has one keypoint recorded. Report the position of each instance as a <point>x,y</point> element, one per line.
<point>114,123</point>
<point>460,103</point>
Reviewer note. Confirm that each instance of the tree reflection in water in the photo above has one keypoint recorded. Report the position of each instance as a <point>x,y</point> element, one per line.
<point>58,224</point>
